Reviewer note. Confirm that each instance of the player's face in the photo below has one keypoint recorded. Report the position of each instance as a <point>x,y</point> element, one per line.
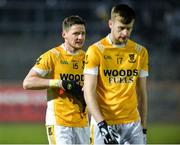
<point>120,32</point>
<point>74,37</point>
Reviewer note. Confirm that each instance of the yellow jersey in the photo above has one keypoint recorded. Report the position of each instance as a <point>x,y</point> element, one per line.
<point>117,68</point>
<point>58,63</point>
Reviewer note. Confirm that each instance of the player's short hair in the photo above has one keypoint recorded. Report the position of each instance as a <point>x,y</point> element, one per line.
<point>72,20</point>
<point>124,11</point>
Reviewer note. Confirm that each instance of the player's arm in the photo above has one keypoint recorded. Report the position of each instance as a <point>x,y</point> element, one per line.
<point>34,81</point>
<point>142,94</point>
<point>90,83</point>
<point>109,135</point>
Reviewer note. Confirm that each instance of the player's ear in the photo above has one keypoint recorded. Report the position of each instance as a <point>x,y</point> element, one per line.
<point>63,34</point>
<point>110,23</point>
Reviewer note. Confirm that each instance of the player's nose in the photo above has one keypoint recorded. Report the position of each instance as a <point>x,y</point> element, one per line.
<point>125,32</point>
<point>81,36</point>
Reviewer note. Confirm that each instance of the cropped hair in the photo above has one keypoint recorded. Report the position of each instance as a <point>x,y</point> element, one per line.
<point>124,11</point>
<point>72,20</point>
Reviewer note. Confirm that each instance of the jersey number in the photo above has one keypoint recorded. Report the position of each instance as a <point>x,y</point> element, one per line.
<point>75,65</point>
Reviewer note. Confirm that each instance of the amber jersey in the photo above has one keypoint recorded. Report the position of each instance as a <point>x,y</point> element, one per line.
<point>117,68</point>
<point>58,63</point>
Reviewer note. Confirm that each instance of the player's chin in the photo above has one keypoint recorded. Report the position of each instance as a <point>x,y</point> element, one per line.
<point>123,40</point>
<point>79,46</point>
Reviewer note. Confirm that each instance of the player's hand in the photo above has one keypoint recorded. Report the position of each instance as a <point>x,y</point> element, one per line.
<point>74,90</point>
<point>110,136</point>
<point>145,135</point>
<point>70,86</point>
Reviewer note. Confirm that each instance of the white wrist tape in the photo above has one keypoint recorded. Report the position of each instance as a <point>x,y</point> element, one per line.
<point>54,83</point>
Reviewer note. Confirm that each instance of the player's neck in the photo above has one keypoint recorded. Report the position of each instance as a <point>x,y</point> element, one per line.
<point>113,42</point>
<point>69,49</point>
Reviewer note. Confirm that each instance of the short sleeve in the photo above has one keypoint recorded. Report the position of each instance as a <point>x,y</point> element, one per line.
<point>44,64</point>
<point>144,63</point>
<point>92,60</point>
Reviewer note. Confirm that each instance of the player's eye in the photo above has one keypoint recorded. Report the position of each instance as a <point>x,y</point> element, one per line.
<point>76,33</point>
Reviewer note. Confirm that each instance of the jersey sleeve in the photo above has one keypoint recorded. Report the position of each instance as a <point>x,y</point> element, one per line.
<point>92,60</point>
<point>144,63</point>
<point>44,64</point>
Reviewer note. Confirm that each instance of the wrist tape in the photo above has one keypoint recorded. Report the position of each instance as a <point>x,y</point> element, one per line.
<point>54,83</point>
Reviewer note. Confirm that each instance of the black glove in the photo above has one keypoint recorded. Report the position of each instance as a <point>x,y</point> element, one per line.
<point>110,136</point>
<point>74,90</point>
<point>145,135</point>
